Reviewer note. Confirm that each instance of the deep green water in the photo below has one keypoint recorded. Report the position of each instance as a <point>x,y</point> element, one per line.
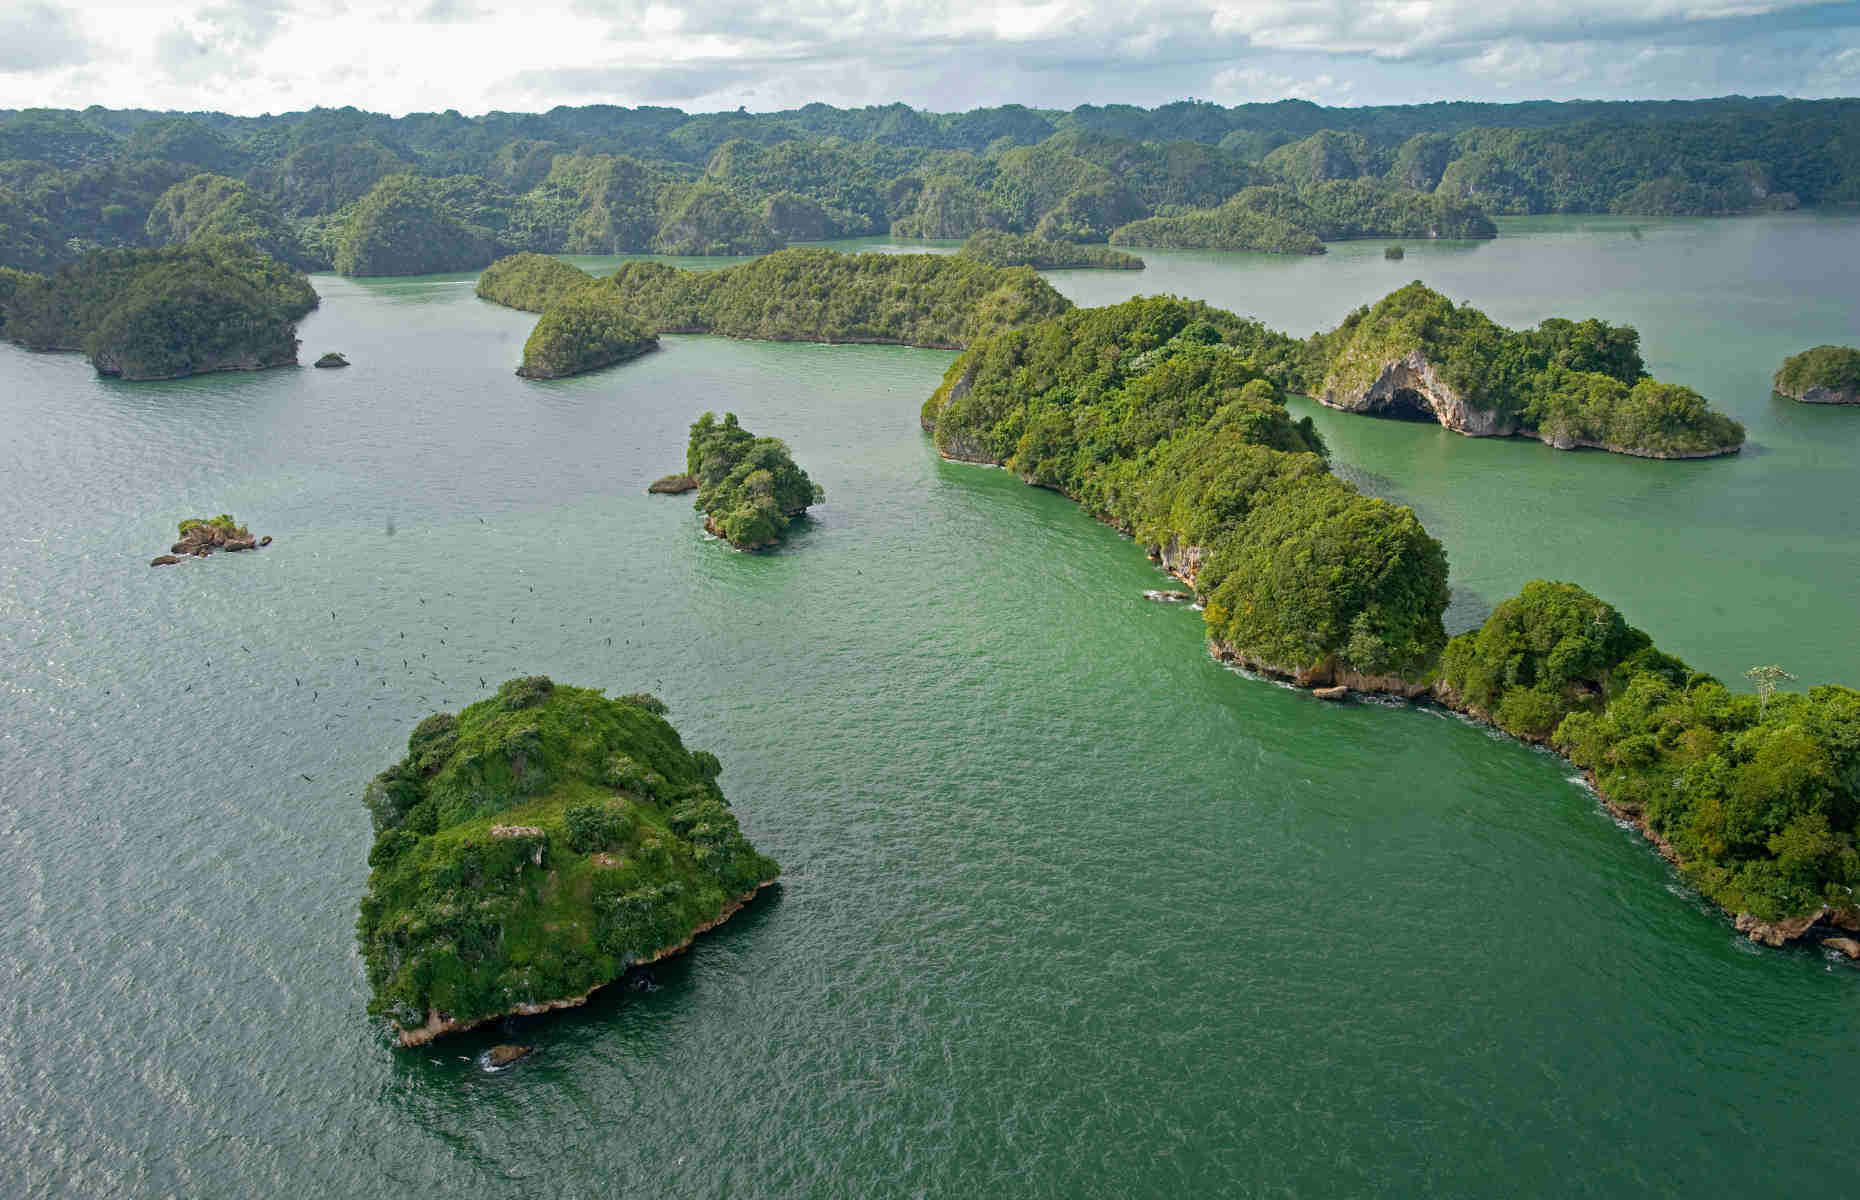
<point>1069,909</point>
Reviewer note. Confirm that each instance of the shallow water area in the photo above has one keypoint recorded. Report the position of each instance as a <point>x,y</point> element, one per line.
<point>1068,908</point>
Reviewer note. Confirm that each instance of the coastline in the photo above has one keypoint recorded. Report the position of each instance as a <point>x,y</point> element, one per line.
<point>1182,563</point>
<point>438,1024</point>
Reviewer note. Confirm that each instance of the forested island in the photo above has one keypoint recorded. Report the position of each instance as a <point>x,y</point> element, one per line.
<point>749,488</point>
<point>1283,219</point>
<point>940,301</point>
<point>1164,418</point>
<point>370,194</point>
<point>211,305</point>
<point>1823,375</point>
<point>583,330</point>
<point>535,846</point>
<point>999,249</point>
<point>1566,383</point>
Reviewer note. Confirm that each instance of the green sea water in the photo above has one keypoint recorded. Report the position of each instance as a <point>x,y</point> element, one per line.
<point>1069,909</point>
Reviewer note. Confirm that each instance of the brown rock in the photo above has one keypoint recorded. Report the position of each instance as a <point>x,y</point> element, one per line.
<point>673,485</point>
<point>265,541</point>
<point>1340,692</point>
<point>1845,945</point>
<point>503,1056</point>
<point>163,560</point>
<point>235,544</point>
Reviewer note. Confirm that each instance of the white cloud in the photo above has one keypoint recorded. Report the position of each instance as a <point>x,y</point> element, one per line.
<point>276,55</point>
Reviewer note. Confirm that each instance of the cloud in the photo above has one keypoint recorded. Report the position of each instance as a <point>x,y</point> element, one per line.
<point>36,37</point>
<point>427,55</point>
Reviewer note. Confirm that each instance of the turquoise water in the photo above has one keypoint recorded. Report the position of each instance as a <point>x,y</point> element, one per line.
<point>1069,910</point>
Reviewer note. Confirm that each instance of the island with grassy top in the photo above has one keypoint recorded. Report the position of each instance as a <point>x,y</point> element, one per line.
<point>1565,383</point>
<point>749,488</point>
<point>535,846</point>
<point>213,305</point>
<point>940,301</point>
<point>201,536</point>
<point>1165,418</point>
<point>1823,375</point>
<point>999,249</point>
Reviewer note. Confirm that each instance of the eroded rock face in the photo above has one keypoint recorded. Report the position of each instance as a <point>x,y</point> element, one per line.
<point>1825,395</point>
<point>1411,383</point>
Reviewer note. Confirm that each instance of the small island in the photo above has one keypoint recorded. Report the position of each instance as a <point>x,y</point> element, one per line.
<point>332,359</point>
<point>581,331</point>
<point>1565,383</point>
<point>1824,375</point>
<point>749,488</point>
<point>535,846</point>
<point>211,305</point>
<point>1231,226</point>
<point>1288,219</point>
<point>805,295</point>
<point>529,281</point>
<point>999,249</point>
<point>201,536</point>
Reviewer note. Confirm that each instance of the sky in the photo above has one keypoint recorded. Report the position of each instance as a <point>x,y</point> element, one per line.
<point>258,56</point>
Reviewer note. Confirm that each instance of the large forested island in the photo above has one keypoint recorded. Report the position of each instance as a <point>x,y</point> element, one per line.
<point>212,305</point>
<point>749,488</point>
<point>533,847</point>
<point>940,301</point>
<point>1566,383</point>
<point>371,194</point>
<point>1823,375</point>
<point>1164,418</point>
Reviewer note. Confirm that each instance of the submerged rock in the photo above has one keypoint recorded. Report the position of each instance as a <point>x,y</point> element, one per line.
<point>1168,597</point>
<point>163,560</point>
<point>498,1057</point>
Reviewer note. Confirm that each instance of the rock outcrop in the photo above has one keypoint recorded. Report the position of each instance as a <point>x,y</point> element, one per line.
<point>332,359</point>
<point>673,485</point>
<point>1826,395</point>
<point>201,537</point>
<point>1411,384</point>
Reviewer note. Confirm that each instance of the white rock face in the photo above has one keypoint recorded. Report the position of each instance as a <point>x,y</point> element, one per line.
<point>1416,376</point>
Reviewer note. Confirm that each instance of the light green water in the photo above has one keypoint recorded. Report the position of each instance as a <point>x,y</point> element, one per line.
<point>1069,910</point>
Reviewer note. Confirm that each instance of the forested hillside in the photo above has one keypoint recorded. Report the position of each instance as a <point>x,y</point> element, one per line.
<point>367,193</point>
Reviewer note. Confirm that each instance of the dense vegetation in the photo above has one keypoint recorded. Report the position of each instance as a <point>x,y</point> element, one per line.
<point>937,300</point>
<point>602,179</point>
<point>1756,795</point>
<point>1567,382</point>
<point>1232,226</point>
<point>214,206</point>
<point>582,330</point>
<point>1828,374</point>
<point>1162,416</point>
<point>1042,254</point>
<point>533,847</point>
<point>158,314</point>
<point>529,281</point>
<point>749,488</point>
<point>406,225</point>
<point>1282,219</point>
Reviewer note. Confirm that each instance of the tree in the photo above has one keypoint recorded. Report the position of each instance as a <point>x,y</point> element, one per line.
<point>1767,679</point>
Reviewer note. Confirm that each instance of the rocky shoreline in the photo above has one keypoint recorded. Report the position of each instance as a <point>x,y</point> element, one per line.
<point>1412,383</point>
<point>438,1024</point>
<point>1329,682</point>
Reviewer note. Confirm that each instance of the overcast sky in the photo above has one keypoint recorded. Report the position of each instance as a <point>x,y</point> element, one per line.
<point>255,56</point>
